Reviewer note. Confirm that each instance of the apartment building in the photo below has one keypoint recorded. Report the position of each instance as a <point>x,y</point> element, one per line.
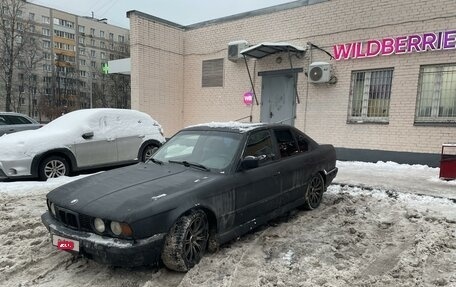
<point>69,70</point>
<point>375,79</point>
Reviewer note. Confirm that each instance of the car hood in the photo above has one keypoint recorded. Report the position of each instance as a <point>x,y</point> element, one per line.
<point>116,194</point>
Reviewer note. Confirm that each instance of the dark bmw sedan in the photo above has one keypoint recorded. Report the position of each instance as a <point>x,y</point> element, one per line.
<point>207,185</point>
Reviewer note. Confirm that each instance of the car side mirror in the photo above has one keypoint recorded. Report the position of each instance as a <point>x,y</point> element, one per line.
<point>87,135</point>
<point>250,162</point>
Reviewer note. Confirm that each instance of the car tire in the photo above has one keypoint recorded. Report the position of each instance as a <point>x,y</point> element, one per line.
<point>186,241</point>
<point>52,167</point>
<point>314,192</point>
<point>148,152</point>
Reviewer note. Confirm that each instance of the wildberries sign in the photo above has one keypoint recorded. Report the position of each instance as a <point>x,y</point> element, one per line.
<point>443,40</point>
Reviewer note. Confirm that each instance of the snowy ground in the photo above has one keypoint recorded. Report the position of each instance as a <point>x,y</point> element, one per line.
<point>382,224</point>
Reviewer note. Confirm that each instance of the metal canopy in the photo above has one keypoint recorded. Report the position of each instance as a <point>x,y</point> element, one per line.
<point>262,50</point>
<point>268,48</point>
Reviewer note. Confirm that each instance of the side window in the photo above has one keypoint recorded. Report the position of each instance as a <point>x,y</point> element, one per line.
<point>3,121</point>
<point>17,120</point>
<point>286,142</point>
<point>258,144</point>
<point>302,143</point>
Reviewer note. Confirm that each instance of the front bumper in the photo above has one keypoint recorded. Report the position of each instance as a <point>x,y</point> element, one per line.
<point>107,250</point>
<point>19,168</point>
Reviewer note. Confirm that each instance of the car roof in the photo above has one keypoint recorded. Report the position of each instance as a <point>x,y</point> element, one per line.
<point>237,127</point>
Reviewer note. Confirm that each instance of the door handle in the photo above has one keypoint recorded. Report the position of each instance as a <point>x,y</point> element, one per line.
<point>110,139</point>
<point>277,173</point>
<point>141,136</point>
<point>271,114</point>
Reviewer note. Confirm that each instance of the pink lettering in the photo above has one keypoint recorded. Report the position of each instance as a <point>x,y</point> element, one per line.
<point>373,48</point>
<point>439,41</point>
<point>359,51</point>
<point>449,40</point>
<point>429,41</point>
<point>414,43</point>
<point>397,45</point>
<point>387,46</point>
<point>401,45</point>
<point>343,51</point>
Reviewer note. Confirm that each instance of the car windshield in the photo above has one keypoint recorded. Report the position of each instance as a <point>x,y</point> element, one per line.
<point>214,150</point>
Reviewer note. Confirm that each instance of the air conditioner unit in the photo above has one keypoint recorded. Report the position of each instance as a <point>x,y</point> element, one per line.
<point>235,48</point>
<point>319,72</point>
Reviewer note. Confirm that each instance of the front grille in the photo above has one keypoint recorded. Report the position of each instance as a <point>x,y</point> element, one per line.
<point>85,222</point>
<point>69,218</point>
<point>73,219</point>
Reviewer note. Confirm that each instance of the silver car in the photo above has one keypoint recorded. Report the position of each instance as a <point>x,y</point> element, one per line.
<point>15,122</point>
<point>83,139</point>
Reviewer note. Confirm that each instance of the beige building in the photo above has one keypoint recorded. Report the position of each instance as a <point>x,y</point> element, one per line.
<point>375,79</point>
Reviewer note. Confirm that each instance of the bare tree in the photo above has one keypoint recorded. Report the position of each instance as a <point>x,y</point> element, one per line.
<point>31,56</point>
<point>13,40</point>
<point>119,91</point>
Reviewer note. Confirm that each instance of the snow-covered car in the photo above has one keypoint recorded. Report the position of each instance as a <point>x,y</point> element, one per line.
<point>80,140</point>
<point>205,186</point>
<point>14,122</point>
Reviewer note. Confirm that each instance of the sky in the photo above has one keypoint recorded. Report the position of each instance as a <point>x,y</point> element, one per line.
<point>182,12</point>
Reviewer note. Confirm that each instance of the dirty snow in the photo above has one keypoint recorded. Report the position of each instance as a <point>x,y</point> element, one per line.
<point>384,224</point>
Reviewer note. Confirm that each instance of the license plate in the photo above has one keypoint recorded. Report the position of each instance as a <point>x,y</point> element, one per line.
<point>63,243</point>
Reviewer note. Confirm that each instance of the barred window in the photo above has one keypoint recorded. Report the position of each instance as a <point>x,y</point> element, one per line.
<point>436,101</point>
<point>212,73</point>
<point>370,95</point>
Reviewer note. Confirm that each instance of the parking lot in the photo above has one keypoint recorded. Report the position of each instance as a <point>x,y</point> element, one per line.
<point>358,237</point>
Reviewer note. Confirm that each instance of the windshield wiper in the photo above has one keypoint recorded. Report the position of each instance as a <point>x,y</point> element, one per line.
<point>187,164</point>
<point>154,160</point>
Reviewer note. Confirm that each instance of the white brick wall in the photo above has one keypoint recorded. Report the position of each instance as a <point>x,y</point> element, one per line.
<point>167,63</point>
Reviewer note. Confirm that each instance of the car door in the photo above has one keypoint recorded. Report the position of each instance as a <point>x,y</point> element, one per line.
<point>296,162</point>
<point>97,145</point>
<point>257,190</point>
<point>130,133</point>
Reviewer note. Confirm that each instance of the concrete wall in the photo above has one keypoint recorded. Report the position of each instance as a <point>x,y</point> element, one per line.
<point>323,110</point>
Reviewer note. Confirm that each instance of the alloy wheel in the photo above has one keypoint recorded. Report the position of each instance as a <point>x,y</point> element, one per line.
<point>54,168</point>
<point>195,239</point>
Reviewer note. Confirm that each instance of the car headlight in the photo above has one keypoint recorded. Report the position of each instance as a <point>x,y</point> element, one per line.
<point>52,208</point>
<point>121,229</point>
<point>116,228</point>
<point>99,225</point>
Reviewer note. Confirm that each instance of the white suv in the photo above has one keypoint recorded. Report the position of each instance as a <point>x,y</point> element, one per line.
<point>80,140</point>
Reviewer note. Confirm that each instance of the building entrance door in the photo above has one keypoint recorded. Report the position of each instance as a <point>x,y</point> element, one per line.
<point>278,95</point>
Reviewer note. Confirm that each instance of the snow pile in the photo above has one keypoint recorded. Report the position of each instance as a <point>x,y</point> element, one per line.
<point>361,235</point>
<point>418,179</point>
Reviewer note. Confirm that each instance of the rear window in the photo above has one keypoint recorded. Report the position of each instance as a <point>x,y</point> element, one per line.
<point>286,142</point>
